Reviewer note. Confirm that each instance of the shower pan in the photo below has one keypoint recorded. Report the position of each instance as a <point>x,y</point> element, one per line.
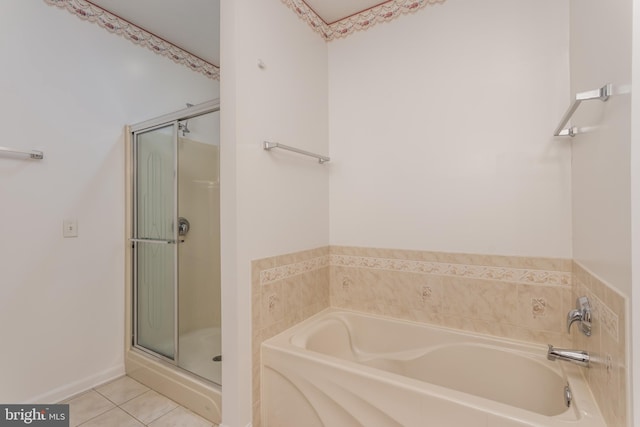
<point>173,256</point>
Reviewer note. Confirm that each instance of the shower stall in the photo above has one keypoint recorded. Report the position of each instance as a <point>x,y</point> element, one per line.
<point>173,255</point>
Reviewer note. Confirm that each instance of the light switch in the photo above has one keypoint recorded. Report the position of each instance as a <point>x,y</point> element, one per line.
<point>70,228</point>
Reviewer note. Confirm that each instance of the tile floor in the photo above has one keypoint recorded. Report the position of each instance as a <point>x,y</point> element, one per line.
<point>127,403</point>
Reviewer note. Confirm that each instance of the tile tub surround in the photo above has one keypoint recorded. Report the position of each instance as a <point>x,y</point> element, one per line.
<point>608,374</point>
<point>520,298</point>
<point>285,290</point>
<point>513,297</point>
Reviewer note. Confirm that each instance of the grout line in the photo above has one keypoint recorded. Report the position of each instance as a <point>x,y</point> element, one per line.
<point>119,406</point>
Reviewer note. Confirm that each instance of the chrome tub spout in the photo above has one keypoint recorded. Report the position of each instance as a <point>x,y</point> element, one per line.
<point>579,357</point>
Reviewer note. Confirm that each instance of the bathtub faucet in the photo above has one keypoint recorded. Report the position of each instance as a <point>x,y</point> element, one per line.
<point>582,314</point>
<point>579,357</point>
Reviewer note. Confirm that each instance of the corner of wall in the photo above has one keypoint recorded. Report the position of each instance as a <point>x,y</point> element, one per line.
<point>285,290</point>
<point>608,345</point>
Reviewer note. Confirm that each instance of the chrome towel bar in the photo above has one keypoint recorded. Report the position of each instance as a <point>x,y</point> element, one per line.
<point>270,145</point>
<point>602,94</point>
<point>154,241</point>
<point>38,155</point>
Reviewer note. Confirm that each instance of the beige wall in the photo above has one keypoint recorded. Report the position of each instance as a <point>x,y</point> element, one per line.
<point>272,202</point>
<point>601,174</point>
<point>441,130</point>
<point>512,297</point>
<point>601,37</point>
<point>634,318</point>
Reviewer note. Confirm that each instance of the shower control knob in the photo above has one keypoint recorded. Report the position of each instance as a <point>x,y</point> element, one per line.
<point>183,226</point>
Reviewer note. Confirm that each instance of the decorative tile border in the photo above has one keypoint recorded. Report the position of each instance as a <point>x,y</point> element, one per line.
<point>503,274</point>
<point>360,21</point>
<point>608,319</point>
<point>114,24</point>
<point>284,272</point>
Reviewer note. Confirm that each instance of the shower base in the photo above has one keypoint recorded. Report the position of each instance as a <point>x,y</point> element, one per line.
<point>197,351</point>
<point>188,389</point>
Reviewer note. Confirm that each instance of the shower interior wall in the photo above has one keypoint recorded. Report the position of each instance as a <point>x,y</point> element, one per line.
<point>62,311</point>
<point>199,256</point>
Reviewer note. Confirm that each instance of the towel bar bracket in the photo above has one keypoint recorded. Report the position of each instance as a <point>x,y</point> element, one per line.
<point>602,94</point>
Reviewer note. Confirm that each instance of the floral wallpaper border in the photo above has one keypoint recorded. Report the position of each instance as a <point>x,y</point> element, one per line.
<point>505,274</point>
<point>114,24</point>
<point>383,12</point>
<point>360,21</point>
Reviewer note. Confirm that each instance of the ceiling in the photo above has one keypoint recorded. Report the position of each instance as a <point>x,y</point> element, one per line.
<point>335,10</point>
<point>192,25</point>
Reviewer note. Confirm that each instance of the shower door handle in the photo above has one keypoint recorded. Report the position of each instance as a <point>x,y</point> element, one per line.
<point>157,241</point>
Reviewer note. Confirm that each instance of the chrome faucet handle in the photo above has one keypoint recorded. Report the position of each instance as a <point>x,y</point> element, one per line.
<point>581,313</point>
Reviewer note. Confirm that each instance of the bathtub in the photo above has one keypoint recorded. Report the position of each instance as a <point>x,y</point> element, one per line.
<point>341,369</point>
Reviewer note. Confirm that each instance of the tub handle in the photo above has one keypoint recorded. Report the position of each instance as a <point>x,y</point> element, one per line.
<point>582,314</point>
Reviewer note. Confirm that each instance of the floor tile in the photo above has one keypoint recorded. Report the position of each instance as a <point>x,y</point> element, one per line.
<point>180,417</point>
<point>149,406</point>
<point>115,417</point>
<point>87,406</point>
<point>122,390</point>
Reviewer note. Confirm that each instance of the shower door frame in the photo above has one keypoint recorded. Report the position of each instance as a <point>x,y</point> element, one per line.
<point>166,120</point>
<point>135,239</point>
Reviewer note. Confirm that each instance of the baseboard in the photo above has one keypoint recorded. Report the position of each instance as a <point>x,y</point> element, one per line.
<point>69,390</point>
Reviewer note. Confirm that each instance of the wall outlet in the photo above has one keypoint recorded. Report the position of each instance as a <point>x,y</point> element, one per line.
<point>70,228</point>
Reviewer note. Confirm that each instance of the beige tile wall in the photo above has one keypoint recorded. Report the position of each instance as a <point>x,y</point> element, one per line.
<point>513,297</point>
<point>607,345</point>
<point>285,290</point>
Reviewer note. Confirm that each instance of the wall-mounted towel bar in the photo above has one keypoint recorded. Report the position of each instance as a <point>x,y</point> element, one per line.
<point>602,94</point>
<point>270,145</point>
<point>32,154</point>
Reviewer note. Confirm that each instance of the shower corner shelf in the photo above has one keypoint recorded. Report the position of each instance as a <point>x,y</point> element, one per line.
<point>602,94</point>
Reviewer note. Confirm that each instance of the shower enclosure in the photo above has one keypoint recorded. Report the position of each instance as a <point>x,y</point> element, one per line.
<point>174,255</point>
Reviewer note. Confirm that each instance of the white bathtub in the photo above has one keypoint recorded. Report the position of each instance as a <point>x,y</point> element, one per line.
<point>342,369</point>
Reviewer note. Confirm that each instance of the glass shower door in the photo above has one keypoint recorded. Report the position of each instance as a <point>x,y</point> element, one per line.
<point>176,242</point>
<point>155,240</point>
